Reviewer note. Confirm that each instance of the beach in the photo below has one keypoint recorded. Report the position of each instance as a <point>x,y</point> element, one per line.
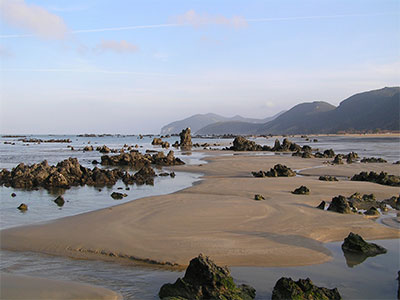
<point>219,218</point>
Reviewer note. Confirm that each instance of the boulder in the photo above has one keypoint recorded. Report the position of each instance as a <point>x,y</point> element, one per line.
<point>103,149</point>
<point>258,197</point>
<point>287,288</point>
<point>157,141</point>
<point>186,138</point>
<point>340,205</point>
<point>203,280</point>
<point>88,148</point>
<point>354,243</point>
<point>59,201</point>
<point>280,171</point>
<point>23,207</point>
<point>117,196</point>
<point>303,190</point>
<point>242,144</point>
<point>381,178</point>
<point>329,153</point>
<point>328,178</point>
<point>372,212</point>
<point>338,160</point>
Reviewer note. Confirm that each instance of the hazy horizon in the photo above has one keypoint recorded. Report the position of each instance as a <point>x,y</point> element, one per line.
<point>75,67</point>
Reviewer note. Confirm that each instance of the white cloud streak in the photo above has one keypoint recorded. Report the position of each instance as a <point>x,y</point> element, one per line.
<point>32,18</point>
<point>192,18</point>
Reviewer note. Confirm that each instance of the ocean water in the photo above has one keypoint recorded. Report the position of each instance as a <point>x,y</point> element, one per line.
<point>372,279</point>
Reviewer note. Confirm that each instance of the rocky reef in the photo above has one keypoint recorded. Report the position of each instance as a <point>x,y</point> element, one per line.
<point>205,280</point>
<point>381,178</point>
<point>287,289</point>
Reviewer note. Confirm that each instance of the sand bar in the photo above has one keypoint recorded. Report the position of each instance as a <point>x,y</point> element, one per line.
<point>217,217</point>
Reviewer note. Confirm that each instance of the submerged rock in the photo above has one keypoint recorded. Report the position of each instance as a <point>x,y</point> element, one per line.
<point>117,196</point>
<point>205,280</point>
<point>23,207</point>
<point>287,289</point>
<point>59,201</point>
<point>354,243</point>
<point>381,178</point>
<point>328,178</point>
<point>303,190</point>
<point>339,204</point>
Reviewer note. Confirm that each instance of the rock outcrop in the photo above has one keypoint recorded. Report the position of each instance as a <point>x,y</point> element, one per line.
<point>354,243</point>
<point>340,205</point>
<point>328,178</point>
<point>277,171</point>
<point>205,280</point>
<point>258,197</point>
<point>186,138</point>
<point>287,289</point>
<point>303,190</point>
<point>373,160</point>
<point>242,144</point>
<point>381,178</point>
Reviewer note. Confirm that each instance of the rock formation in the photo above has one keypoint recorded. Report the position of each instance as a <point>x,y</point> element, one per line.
<point>381,178</point>
<point>355,244</point>
<point>339,204</point>
<point>303,190</point>
<point>186,138</point>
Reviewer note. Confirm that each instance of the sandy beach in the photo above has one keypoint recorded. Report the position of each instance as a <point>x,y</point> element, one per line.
<point>28,287</point>
<point>218,217</point>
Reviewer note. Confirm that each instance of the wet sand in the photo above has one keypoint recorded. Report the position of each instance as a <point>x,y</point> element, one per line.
<point>219,218</point>
<point>27,287</point>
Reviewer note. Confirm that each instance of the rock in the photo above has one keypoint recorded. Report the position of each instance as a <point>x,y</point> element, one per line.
<point>259,174</point>
<point>381,178</point>
<point>242,144</point>
<point>373,160</point>
<point>398,287</point>
<point>13,195</point>
<point>59,201</point>
<point>286,146</point>
<point>205,280</point>
<point>329,153</point>
<point>365,202</point>
<point>145,176</point>
<point>88,148</point>
<point>163,174</point>
<point>172,174</point>
<point>339,204</point>
<point>280,171</point>
<point>157,141</point>
<point>338,160</point>
<point>186,138</point>
<point>117,196</point>
<point>95,162</point>
<point>287,288</point>
<point>328,178</point>
<point>397,162</point>
<point>372,212</point>
<point>303,190</point>
<point>354,243</point>
<point>322,205</point>
<point>393,202</point>
<point>307,155</point>
<point>103,149</point>
<point>23,207</point>
<point>258,197</point>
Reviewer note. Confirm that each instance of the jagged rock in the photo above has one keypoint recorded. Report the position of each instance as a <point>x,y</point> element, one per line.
<point>354,243</point>
<point>365,201</point>
<point>88,148</point>
<point>285,146</point>
<point>59,201</point>
<point>329,153</point>
<point>351,157</point>
<point>381,178</point>
<point>258,197</point>
<point>322,205</point>
<point>145,176</point>
<point>307,155</point>
<point>186,138</point>
<point>117,196</point>
<point>287,289</point>
<point>303,190</point>
<point>328,178</point>
<point>338,160</point>
<point>280,171</point>
<point>373,160</point>
<point>298,154</point>
<point>157,141</point>
<point>372,212</point>
<point>393,202</point>
<point>339,204</point>
<point>103,149</point>
<point>242,144</point>
<point>205,280</point>
<point>23,207</point>
<point>397,162</point>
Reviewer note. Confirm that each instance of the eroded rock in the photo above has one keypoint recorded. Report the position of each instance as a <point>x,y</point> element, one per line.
<point>354,243</point>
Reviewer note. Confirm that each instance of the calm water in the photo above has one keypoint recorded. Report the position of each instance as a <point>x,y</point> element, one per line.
<point>373,279</point>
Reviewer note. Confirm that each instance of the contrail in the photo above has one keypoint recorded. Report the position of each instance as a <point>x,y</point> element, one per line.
<point>259,20</point>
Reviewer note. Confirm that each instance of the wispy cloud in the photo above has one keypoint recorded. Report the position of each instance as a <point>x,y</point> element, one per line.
<point>32,18</point>
<point>195,19</point>
<point>116,46</point>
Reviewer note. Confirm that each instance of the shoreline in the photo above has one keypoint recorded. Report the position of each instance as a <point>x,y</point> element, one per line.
<point>216,216</point>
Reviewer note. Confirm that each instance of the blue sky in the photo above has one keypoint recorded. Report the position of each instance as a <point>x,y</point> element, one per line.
<point>70,66</point>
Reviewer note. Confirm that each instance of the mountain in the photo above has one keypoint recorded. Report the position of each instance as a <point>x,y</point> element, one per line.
<point>235,127</point>
<point>367,111</point>
<point>199,121</point>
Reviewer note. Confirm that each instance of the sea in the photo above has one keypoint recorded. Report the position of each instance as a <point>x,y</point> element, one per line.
<point>375,278</point>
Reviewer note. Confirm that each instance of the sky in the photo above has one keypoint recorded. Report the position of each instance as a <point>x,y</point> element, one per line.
<point>121,66</point>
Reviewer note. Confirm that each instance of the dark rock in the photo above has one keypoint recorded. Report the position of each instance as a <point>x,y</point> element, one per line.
<point>117,196</point>
<point>322,205</point>
<point>339,204</point>
<point>205,280</point>
<point>95,162</point>
<point>13,195</point>
<point>354,243</point>
<point>59,201</point>
<point>338,160</point>
<point>398,287</point>
<point>242,144</point>
<point>373,160</point>
<point>303,190</point>
<point>328,178</point>
<point>88,148</point>
<point>172,174</point>
<point>307,155</point>
<point>329,153</point>
<point>186,138</point>
<point>157,141</point>
<point>23,207</point>
<point>103,149</point>
<point>259,197</point>
<point>393,202</point>
<point>259,174</point>
<point>280,171</point>
<point>381,178</point>
<point>286,288</point>
<point>372,212</point>
<point>145,176</point>
<point>163,174</point>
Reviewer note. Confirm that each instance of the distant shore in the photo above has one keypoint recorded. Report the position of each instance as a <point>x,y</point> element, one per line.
<point>219,218</point>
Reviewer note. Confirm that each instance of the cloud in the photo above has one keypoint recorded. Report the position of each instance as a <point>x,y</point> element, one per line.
<point>33,19</point>
<point>192,18</point>
<point>116,46</point>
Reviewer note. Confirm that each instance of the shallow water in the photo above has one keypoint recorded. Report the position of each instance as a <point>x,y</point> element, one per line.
<point>375,278</point>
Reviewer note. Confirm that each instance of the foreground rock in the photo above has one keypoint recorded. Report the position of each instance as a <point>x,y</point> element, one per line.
<point>303,190</point>
<point>186,138</point>
<point>340,205</point>
<point>287,288</point>
<point>277,171</point>
<point>354,243</point>
<point>205,280</point>
<point>381,178</point>
<point>328,178</point>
